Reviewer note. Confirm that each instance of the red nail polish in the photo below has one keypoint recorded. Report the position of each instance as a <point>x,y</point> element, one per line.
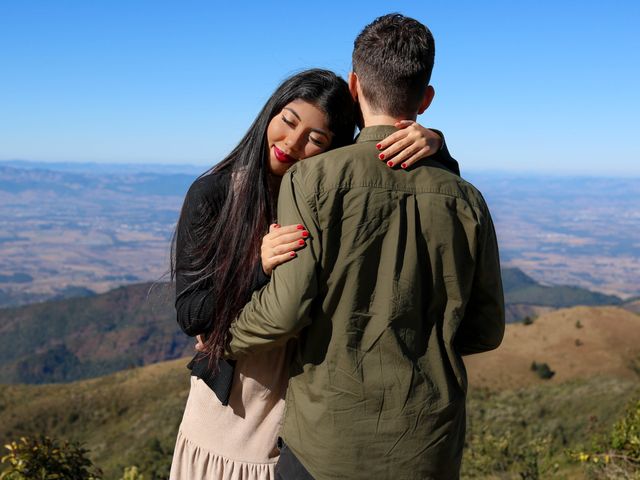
<point>379,146</point>
<point>300,242</point>
<point>292,254</point>
<point>404,165</point>
<point>305,234</point>
<point>381,156</point>
<point>390,163</point>
<point>300,227</point>
<point>276,226</point>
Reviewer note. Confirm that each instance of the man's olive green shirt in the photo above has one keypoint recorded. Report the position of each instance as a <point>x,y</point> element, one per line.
<point>400,278</point>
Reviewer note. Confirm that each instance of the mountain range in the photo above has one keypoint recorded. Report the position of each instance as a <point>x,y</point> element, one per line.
<point>134,325</point>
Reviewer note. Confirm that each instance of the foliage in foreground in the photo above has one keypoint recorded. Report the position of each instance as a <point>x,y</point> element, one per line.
<point>490,455</point>
<point>46,459</point>
<point>618,455</point>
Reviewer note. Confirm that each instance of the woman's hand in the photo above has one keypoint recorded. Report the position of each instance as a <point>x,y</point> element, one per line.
<point>280,244</point>
<point>199,343</point>
<point>409,144</point>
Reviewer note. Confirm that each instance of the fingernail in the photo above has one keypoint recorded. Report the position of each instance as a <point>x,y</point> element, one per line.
<point>390,163</point>
<point>379,146</point>
<point>404,165</point>
<point>305,234</point>
<point>300,242</point>
<point>292,254</point>
<point>381,156</point>
<point>300,227</point>
<point>276,226</point>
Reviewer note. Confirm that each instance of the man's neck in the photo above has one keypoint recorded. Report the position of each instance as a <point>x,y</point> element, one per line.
<point>370,119</point>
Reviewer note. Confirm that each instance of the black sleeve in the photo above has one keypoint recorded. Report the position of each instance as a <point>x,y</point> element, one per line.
<point>195,304</point>
<point>443,156</point>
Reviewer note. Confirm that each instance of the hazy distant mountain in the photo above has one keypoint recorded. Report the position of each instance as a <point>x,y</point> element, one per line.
<point>99,226</point>
<point>107,168</point>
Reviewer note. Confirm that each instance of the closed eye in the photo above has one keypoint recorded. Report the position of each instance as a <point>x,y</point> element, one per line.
<point>287,121</point>
<point>317,142</point>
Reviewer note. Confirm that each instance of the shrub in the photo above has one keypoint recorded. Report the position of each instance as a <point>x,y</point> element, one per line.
<point>46,459</point>
<point>132,473</point>
<point>618,455</point>
<point>528,320</point>
<point>487,454</point>
<point>543,370</point>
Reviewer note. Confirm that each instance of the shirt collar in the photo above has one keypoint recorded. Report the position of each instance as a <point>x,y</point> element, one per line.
<point>375,133</point>
<point>379,132</point>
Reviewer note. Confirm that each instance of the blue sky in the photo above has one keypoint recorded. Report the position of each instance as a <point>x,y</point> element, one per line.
<point>520,86</point>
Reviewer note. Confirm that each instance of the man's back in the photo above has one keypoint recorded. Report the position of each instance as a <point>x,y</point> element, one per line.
<point>405,278</point>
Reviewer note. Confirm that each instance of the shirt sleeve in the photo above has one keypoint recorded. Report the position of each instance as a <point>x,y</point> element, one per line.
<point>194,300</point>
<point>444,157</point>
<point>482,327</point>
<point>281,309</point>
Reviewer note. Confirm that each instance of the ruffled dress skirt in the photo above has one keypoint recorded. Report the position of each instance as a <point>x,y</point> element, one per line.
<point>238,441</point>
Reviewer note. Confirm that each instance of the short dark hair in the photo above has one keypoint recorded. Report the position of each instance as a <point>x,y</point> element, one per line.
<point>393,59</point>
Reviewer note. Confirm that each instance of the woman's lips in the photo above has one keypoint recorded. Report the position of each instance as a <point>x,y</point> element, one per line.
<point>281,156</point>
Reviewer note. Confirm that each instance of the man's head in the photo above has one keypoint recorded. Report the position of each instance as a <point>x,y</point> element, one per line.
<point>392,61</point>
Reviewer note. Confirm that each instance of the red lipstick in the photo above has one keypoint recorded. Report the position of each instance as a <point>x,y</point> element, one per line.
<point>281,156</point>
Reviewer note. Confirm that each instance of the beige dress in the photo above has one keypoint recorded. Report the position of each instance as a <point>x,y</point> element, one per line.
<point>238,441</point>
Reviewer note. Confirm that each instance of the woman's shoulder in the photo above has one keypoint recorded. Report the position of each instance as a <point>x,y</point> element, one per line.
<point>211,187</point>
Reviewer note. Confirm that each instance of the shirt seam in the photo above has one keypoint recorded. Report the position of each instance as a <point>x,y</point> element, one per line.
<point>393,188</point>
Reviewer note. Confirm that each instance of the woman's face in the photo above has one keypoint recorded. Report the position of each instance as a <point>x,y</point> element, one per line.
<point>299,131</point>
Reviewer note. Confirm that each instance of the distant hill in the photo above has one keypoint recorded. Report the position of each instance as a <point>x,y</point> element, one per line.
<point>632,304</point>
<point>59,341</point>
<point>126,418</point>
<point>134,325</point>
<point>525,297</point>
<point>519,288</point>
<point>576,343</point>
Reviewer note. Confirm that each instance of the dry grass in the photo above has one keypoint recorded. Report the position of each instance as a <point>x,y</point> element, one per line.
<point>578,342</point>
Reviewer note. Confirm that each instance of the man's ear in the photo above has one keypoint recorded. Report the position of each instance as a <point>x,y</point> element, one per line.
<point>353,85</point>
<point>428,98</point>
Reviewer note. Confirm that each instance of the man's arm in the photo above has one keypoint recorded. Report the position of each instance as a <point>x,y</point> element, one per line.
<point>280,310</point>
<point>482,327</point>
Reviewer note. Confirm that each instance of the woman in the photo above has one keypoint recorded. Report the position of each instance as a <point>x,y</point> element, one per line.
<point>230,425</point>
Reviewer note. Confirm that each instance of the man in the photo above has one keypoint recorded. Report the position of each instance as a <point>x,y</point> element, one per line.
<point>399,279</point>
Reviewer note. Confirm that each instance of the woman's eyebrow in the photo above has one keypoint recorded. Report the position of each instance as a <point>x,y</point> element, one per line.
<point>317,130</point>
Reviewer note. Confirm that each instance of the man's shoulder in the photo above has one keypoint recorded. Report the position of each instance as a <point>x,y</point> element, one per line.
<point>450,183</point>
<point>326,165</point>
<point>331,158</point>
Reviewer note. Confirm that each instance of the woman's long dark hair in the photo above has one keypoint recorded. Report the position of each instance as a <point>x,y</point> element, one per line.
<point>228,245</point>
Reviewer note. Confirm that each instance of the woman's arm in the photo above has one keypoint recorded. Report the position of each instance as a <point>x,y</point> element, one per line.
<point>194,301</point>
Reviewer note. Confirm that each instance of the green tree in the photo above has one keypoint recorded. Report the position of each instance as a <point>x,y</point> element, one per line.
<point>46,459</point>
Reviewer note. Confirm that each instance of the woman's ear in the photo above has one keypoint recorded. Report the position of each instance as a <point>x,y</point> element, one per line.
<point>428,98</point>
<point>353,85</point>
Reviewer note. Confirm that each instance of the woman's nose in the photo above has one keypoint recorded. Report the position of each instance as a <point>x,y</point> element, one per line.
<point>293,141</point>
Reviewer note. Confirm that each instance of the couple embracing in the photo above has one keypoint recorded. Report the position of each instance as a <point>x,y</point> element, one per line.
<point>381,272</point>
